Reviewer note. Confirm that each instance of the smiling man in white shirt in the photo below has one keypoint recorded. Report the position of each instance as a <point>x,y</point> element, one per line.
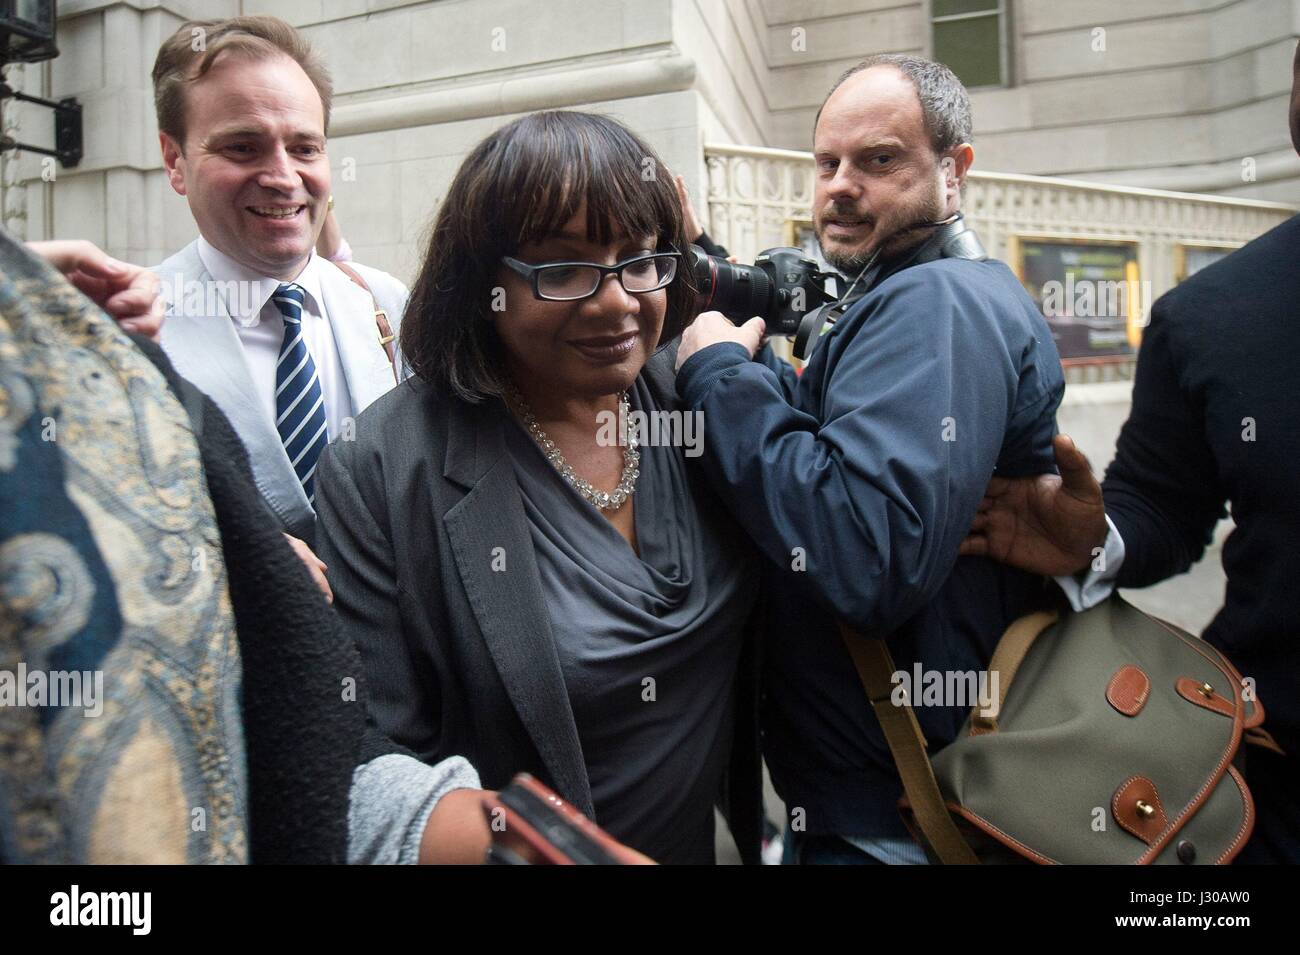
<point>289,345</point>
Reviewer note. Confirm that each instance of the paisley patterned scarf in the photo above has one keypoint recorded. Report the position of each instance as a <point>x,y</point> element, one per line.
<point>120,731</point>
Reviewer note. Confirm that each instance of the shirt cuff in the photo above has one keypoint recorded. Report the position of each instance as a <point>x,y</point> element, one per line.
<point>1087,589</point>
<point>705,367</point>
<point>390,802</point>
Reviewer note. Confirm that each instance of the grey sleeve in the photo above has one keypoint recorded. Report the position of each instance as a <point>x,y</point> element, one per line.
<point>390,802</point>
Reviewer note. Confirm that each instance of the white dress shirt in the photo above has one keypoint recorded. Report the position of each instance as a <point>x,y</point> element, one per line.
<point>260,327</point>
<point>1091,587</point>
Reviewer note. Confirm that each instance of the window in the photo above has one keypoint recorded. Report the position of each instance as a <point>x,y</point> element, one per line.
<point>969,37</point>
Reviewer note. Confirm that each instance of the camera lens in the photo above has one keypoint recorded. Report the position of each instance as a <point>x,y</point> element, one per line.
<point>737,291</point>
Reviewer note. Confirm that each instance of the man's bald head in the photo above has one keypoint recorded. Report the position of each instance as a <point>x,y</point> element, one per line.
<point>891,153</point>
<point>945,105</point>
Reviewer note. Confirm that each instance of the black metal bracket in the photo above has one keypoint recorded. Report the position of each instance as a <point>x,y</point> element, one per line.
<point>67,127</point>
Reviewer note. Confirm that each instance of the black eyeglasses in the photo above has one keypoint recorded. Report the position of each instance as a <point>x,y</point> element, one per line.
<point>571,281</point>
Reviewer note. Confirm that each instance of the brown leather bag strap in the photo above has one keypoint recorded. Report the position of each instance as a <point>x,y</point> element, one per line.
<point>382,325</point>
<point>874,664</point>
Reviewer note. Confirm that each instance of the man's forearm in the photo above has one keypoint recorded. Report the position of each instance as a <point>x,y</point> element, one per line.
<point>783,370</point>
<point>1158,542</point>
<point>866,504</point>
<point>1162,490</point>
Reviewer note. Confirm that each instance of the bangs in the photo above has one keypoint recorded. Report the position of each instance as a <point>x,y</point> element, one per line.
<point>567,158</point>
<point>523,184</point>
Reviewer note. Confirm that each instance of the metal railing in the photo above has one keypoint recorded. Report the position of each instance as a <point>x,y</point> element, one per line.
<point>758,198</point>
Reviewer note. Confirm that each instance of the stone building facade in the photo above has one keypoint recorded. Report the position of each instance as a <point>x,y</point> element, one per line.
<point>1173,94</point>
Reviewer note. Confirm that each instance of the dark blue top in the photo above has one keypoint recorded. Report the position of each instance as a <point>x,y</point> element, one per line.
<point>866,472</point>
<point>1214,419</point>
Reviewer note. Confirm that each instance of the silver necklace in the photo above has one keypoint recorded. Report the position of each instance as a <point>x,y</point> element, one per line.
<point>605,500</point>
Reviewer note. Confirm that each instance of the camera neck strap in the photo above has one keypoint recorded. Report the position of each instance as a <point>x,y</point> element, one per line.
<point>952,239</point>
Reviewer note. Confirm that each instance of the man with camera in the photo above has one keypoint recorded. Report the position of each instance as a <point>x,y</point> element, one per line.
<point>859,478</point>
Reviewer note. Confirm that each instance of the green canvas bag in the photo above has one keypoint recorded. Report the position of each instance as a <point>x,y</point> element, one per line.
<point>1116,739</point>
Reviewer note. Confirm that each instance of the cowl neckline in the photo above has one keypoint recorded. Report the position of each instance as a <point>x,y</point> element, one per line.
<point>668,536</point>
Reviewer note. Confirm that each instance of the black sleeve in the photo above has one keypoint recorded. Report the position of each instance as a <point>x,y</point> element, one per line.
<point>711,247</point>
<point>1162,490</point>
<point>306,726</point>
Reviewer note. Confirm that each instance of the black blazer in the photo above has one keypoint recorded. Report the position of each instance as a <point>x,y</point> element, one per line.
<point>413,516</point>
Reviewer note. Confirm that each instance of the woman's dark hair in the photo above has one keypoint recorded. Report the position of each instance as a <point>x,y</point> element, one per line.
<point>519,185</point>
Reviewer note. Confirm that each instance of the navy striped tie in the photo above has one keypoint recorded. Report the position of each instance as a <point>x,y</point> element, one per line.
<point>299,401</point>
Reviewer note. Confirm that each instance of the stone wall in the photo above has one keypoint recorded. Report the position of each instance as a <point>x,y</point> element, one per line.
<point>1185,95</point>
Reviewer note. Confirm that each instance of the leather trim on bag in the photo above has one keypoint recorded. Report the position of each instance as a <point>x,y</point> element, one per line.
<point>1223,768</point>
<point>1255,709</point>
<point>1123,806</point>
<point>1128,690</point>
<point>1218,662</point>
<point>1190,690</point>
<point>1011,842</point>
<point>1248,821</point>
<point>1256,716</point>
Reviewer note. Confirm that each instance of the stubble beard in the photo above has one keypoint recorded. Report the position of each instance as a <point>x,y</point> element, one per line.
<point>901,235</point>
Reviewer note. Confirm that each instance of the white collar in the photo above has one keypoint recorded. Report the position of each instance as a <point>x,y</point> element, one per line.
<point>246,307</point>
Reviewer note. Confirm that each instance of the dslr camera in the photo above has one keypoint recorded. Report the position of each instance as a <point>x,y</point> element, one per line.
<point>782,287</point>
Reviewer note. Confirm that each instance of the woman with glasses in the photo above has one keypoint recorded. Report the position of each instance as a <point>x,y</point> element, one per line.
<point>530,586</point>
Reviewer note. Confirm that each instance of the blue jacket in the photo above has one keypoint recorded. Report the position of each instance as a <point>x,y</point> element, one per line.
<point>858,481</point>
